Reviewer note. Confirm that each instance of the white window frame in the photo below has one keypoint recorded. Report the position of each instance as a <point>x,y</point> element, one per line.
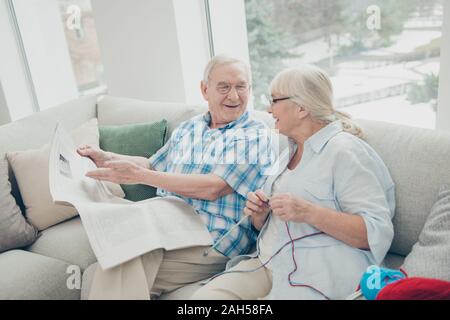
<point>443,111</point>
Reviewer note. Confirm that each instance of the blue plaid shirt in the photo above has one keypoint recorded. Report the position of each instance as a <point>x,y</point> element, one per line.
<point>239,153</point>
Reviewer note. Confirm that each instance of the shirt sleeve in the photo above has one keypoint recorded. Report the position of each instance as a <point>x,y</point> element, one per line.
<point>158,161</point>
<point>363,186</point>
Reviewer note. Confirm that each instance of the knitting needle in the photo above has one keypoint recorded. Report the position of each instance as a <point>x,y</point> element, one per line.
<point>206,252</point>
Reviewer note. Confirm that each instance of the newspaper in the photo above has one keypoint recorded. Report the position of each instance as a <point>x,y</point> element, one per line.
<point>118,229</point>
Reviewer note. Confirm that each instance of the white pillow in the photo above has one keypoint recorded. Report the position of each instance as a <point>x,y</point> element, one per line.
<point>31,171</point>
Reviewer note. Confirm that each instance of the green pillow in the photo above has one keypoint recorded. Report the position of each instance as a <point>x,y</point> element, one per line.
<point>143,140</point>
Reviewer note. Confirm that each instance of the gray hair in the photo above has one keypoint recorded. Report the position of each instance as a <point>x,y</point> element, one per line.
<point>222,59</point>
<point>311,88</point>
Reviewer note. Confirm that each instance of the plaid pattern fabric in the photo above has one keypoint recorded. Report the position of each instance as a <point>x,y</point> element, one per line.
<point>239,153</point>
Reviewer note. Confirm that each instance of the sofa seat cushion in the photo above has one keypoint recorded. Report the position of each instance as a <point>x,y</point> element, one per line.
<point>66,241</point>
<point>27,275</point>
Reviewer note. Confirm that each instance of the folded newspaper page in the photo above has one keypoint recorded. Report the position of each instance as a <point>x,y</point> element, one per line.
<point>118,229</point>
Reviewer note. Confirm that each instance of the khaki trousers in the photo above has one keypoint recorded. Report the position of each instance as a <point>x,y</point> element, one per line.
<point>238,285</point>
<point>155,273</point>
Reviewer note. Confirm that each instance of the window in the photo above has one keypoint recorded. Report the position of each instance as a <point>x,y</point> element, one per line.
<point>81,37</point>
<point>58,45</point>
<point>382,55</point>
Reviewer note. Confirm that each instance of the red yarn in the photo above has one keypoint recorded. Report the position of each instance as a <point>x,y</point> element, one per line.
<point>416,288</point>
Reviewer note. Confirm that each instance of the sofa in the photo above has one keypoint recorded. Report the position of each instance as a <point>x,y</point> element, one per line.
<point>418,160</point>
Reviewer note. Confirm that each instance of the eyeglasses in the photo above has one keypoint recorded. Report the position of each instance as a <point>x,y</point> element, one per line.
<point>225,88</point>
<point>273,101</point>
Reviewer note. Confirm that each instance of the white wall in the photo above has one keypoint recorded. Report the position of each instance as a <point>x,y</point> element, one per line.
<point>158,49</point>
<point>46,49</point>
<point>139,49</point>
<point>443,112</point>
<point>12,75</point>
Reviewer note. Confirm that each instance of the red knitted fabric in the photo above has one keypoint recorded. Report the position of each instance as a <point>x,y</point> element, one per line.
<point>416,288</point>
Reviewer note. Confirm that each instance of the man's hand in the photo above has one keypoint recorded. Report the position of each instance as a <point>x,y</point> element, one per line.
<point>95,154</point>
<point>120,171</point>
<point>257,206</point>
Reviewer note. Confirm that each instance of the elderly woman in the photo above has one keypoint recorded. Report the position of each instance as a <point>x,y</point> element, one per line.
<point>329,216</point>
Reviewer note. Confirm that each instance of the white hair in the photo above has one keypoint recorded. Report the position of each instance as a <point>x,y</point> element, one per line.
<point>222,59</point>
<point>311,88</point>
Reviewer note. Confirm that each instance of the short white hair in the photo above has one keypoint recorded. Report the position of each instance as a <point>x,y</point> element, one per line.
<point>222,59</point>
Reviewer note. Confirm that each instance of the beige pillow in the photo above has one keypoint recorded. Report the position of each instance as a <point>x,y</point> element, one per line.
<point>31,171</point>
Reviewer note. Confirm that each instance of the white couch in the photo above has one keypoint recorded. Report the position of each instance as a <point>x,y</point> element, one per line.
<point>418,160</point>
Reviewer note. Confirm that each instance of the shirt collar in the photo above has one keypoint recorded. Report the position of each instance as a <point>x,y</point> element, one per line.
<point>318,140</point>
<point>243,118</point>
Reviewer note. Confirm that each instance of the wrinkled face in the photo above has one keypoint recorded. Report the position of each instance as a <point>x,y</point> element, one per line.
<point>227,93</point>
<point>286,113</point>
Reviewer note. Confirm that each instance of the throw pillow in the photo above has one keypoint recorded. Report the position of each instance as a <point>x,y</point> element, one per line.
<point>142,140</point>
<point>15,231</point>
<point>430,256</point>
<point>31,171</point>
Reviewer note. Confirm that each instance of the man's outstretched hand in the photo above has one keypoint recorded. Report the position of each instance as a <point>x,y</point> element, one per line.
<point>95,154</point>
<point>119,171</point>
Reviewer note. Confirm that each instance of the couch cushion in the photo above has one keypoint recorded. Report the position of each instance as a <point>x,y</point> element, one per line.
<point>430,256</point>
<point>26,275</point>
<point>36,130</point>
<point>418,162</point>
<point>32,173</point>
<point>142,140</point>
<point>67,242</point>
<point>15,231</point>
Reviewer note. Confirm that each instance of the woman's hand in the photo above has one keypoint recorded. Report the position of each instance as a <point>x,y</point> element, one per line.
<point>95,154</point>
<point>120,171</point>
<point>257,207</point>
<point>290,208</point>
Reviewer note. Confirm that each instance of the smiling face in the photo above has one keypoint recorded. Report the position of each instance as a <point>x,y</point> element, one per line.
<point>226,107</point>
<point>288,115</point>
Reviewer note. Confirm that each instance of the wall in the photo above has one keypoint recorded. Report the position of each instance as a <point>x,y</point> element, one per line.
<point>139,49</point>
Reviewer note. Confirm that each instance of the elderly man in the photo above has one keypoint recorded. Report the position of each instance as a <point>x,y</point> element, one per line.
<point>206,163</point>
